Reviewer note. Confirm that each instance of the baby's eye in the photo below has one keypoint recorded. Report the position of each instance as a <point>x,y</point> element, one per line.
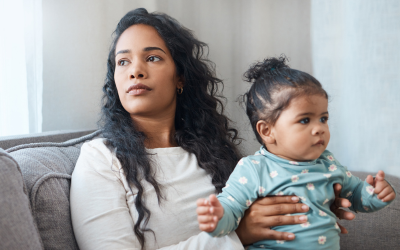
<point>305,120</point>
<point>153,59</point>
<point>122,62</point>
<point>324,119</point>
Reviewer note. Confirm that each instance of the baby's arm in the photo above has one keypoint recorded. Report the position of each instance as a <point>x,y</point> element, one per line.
<point>367,196</point>
<point>209,212</point>
<point>242,189</point>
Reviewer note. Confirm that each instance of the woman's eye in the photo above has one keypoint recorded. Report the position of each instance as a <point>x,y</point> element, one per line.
<point>324,119</point>
<point>122,62</point>
<point>153,59</point>
<point>305,121</point>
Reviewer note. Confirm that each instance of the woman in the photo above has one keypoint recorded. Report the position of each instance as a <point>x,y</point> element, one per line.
<point>166,143</point>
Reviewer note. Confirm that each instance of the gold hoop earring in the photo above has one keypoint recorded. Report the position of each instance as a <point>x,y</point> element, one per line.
<point>179,90</point>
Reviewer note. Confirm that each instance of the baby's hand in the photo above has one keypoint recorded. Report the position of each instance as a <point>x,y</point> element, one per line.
<point>209,212</point>
<point>384,191</point>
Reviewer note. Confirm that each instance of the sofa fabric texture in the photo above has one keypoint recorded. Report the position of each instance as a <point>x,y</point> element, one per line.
<point>46,169</point>
<point>34,201</point>
<point>18,230</point>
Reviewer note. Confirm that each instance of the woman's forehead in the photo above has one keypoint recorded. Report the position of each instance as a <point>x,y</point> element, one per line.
<point>138,37</point>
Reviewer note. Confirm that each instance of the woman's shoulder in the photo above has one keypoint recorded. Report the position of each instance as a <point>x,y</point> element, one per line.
<point>96,147</point>
<point>96,156</point>
<point>95,144</point>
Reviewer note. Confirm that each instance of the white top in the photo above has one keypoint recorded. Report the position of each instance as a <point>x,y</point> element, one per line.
<point>103,210</point>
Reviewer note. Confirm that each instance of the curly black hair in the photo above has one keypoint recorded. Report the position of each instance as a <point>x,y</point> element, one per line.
<point>274,85</point>
<point>200,125</point>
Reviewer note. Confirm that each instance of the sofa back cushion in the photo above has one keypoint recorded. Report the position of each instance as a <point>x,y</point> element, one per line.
<point>17,227</point>
<point>46,169</point>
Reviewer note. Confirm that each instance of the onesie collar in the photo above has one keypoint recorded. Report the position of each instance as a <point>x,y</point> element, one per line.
<point>263,151</point>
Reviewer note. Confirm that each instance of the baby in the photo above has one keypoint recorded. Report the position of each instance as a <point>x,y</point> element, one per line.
<point>288,110</point>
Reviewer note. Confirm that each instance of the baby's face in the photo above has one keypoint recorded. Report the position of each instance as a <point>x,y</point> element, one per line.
<point>301,131</point>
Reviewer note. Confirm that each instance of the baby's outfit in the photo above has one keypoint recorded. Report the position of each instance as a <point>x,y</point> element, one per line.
<point>265,174</point>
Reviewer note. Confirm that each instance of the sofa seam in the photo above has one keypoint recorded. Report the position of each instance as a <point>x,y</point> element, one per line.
<point>39,182</point>
<point>54,144</point>
<point>12,159</point>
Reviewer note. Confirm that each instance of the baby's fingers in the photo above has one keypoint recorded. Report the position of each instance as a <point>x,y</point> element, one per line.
<point>203,210</point>
<point>389,197</point>
<point>207,219</point>
<point>202,202</point>
<point>380,176</point>
<point>384,191</point>
<point>214,201</point>
<point>207,227</point>
<point>370,180</point>
<point>380,186</point>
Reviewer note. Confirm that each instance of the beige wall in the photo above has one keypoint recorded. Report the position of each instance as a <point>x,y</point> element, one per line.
<point>77,34</point>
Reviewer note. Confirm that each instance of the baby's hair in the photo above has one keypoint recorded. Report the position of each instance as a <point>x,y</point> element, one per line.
<point>275,84</point>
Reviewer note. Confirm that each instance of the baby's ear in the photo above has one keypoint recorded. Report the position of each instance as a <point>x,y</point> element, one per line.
<point>265,131</point>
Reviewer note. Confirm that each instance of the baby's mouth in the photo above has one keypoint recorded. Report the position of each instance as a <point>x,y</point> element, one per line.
<point>320,143</point>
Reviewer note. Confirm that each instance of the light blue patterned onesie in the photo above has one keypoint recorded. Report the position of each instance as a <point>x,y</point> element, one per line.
<point>265,174</point>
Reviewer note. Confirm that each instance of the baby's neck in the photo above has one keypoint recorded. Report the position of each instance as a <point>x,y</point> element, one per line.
<point>283,156</point>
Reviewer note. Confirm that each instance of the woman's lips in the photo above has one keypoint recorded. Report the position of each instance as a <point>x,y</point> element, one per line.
<point>138,89</point>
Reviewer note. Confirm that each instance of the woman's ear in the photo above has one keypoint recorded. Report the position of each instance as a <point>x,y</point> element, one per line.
<point>181,82</point>
<point>265,131</point>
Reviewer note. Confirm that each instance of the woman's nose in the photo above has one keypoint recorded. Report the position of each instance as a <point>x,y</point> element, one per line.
<point>137,71</point>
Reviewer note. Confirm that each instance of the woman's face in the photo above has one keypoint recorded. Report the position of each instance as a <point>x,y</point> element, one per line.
<point>145,73</point>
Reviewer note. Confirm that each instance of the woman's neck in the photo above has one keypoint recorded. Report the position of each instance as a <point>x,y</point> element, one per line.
<point>159,132</point>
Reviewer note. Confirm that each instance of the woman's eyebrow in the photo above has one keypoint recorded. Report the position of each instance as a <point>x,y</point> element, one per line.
<point>124,51</point>
<point>153,48</point>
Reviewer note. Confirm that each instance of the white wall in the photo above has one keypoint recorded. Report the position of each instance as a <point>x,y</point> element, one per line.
<point>356,57</point>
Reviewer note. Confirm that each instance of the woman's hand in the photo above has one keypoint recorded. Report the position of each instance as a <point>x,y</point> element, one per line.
<point>269,212</point>
<point>338,204</point>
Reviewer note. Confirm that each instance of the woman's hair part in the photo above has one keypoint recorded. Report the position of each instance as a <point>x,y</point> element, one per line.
<point>201,127</point>
<point>274,85</point>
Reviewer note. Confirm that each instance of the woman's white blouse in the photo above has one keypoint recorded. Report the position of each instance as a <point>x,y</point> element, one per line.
<point>103,210</point>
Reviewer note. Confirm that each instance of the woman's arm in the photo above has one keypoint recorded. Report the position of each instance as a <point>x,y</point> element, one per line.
<point>270,212</point>
<point>100,214</point>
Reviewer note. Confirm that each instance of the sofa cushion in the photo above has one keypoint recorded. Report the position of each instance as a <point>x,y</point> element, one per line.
<point>18,230</point>
<point>379,230</point>
<point>46,169</point>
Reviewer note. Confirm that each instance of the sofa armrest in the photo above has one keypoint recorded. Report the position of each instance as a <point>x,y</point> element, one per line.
<point>17,227</point>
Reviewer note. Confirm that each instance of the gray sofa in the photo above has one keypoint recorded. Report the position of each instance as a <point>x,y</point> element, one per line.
<point>35,174</point>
